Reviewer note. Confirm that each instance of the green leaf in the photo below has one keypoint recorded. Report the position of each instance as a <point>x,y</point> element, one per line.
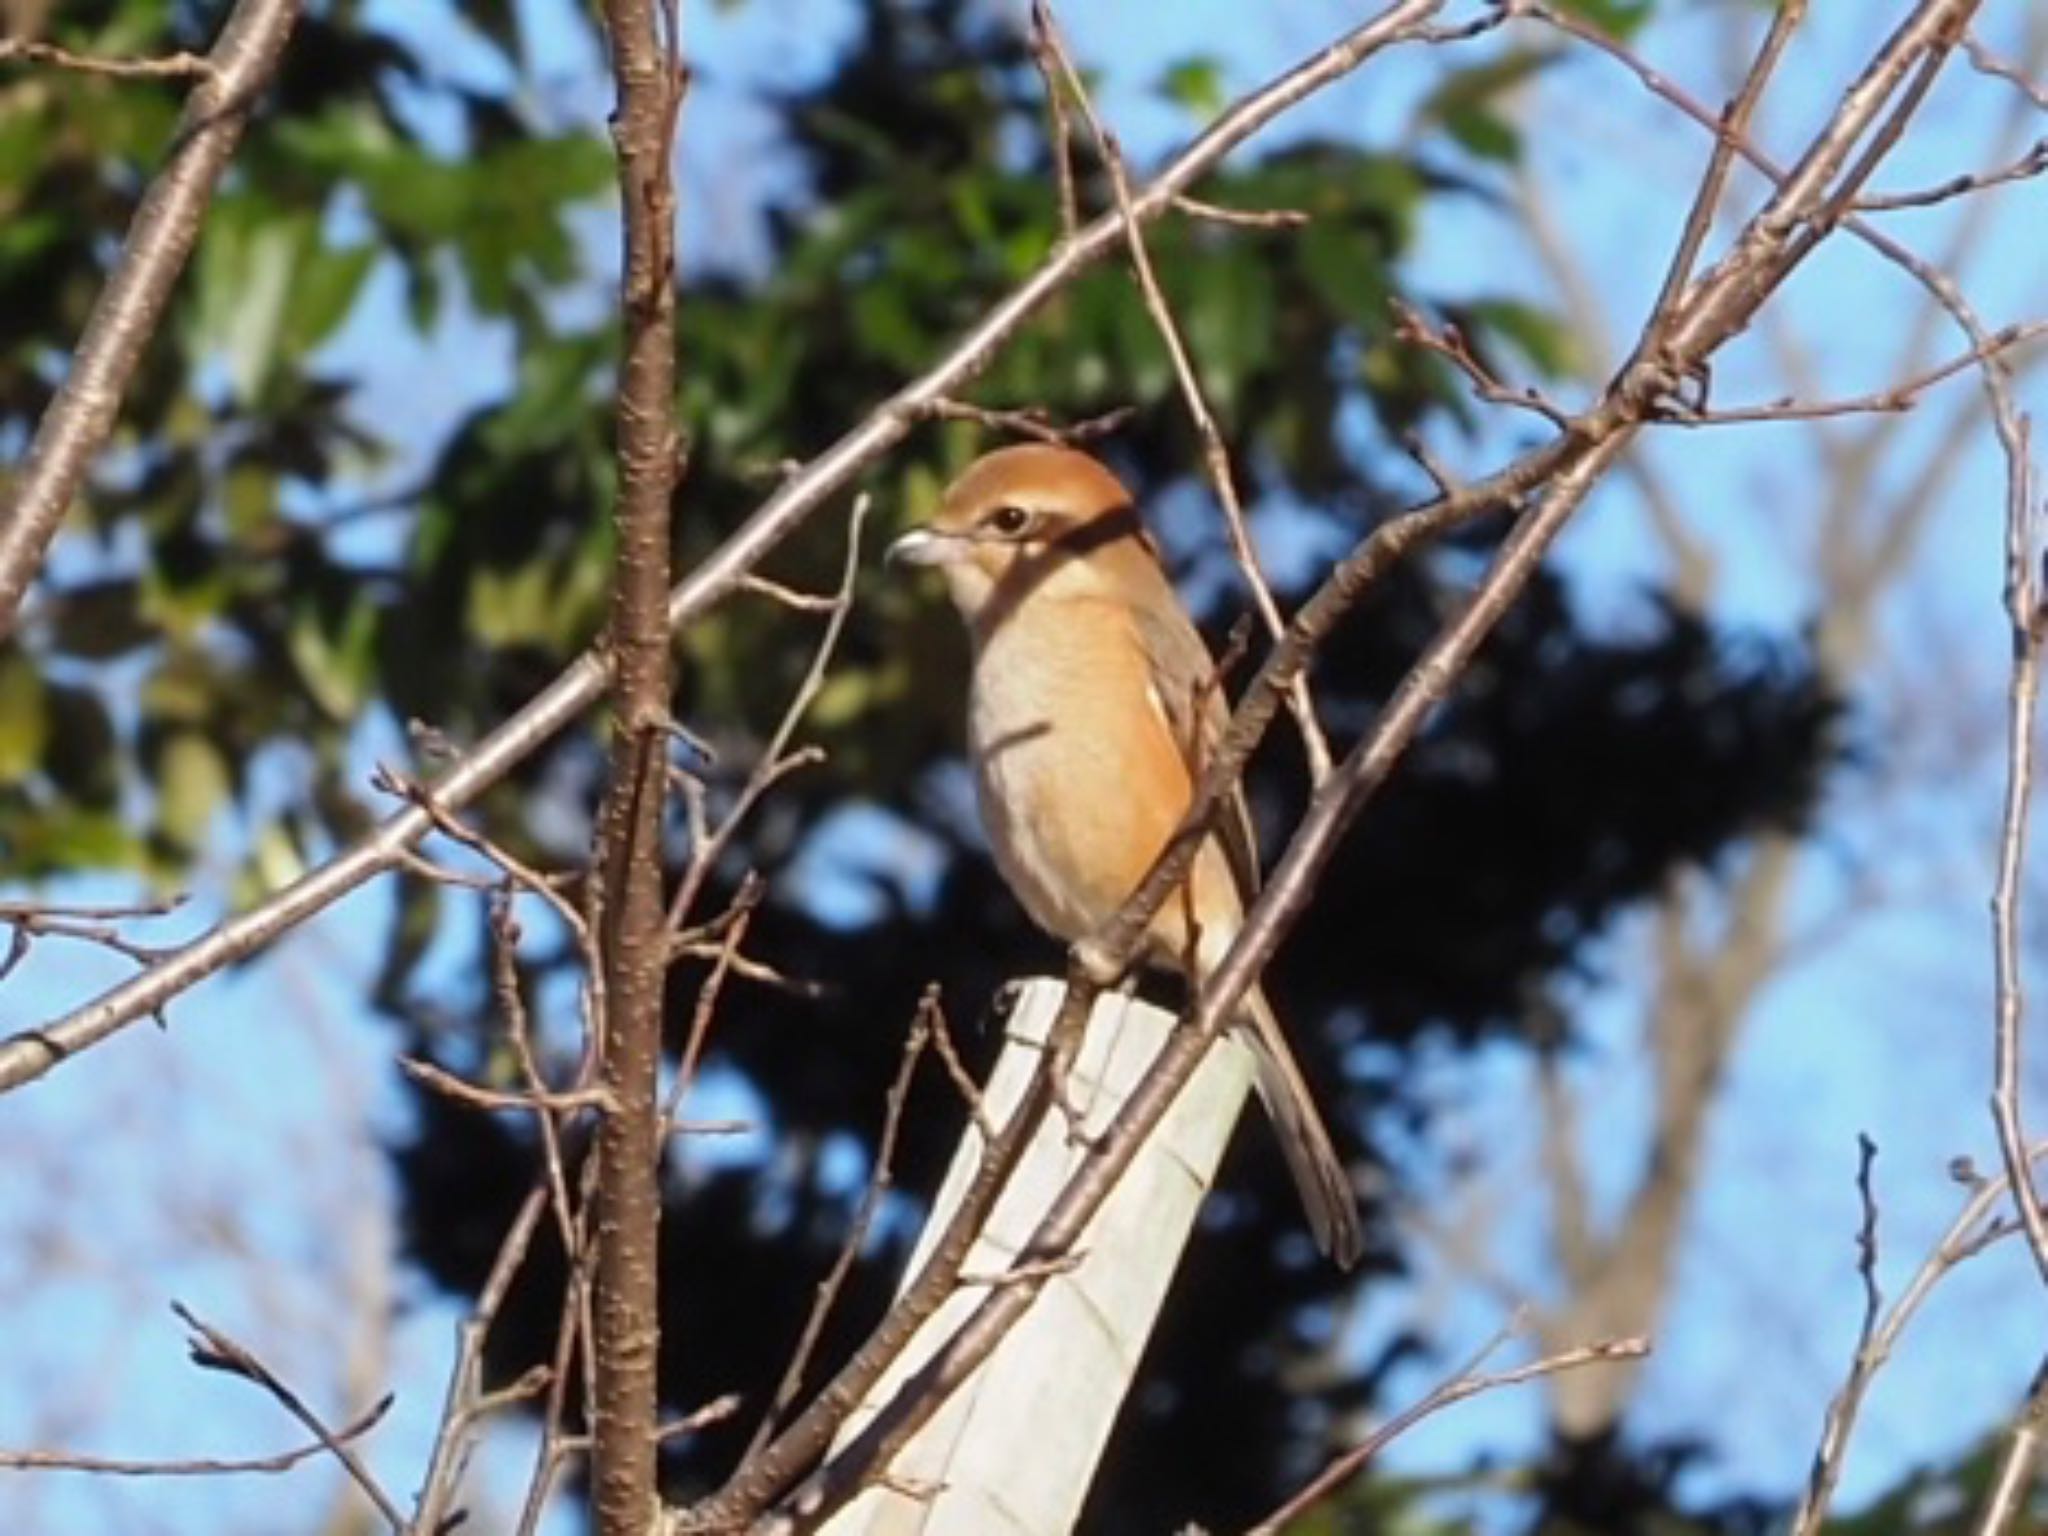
<point>1620,19</point>
<point>335,661</point>
<point>1484,132</point>
<point>1469,103</point>
<point>1536,333</point>
<point>249,259</point>
<point>248,499</point>
<point>66,841</point>
<point>1194,84</point>
<point>510,607</point>
<point>275,861</point>
<point>24,237</point>
<point>24,718</point>
<point>192,784</point>
<point>323,292</point>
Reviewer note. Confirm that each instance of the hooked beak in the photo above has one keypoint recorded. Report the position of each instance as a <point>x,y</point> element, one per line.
<point>925,546</point>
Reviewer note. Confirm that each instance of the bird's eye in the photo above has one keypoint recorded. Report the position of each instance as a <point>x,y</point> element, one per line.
<point>1007,521</point>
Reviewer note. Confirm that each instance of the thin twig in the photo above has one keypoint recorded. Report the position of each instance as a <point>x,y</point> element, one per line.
<point>1974,1229</point>
<point>1062,126</point>
<point>1985,62</point>
<point>1215,457</point>
<point>170,66</point>
<point>744,904</point>
<point>1032,421</point>
<point>2030,164</point>
<point>2027,613</point>
<point>516,871</point>
<point>1826,1471</point>
<point>1732,128</point>
<point>464,1401</point>
<point>776,760</point>
<point>1470,1382</point>
<point>881,1176</point>
<point>717,1411</point>
<point>1454,347</point>
<point>1992,375</point>
<point>1243,218</point>
<point>2007,1501</point>
<point>789,597</point>
<point>91,924</point>
<point>478,1097</point>
<point>1899,397</point>
<point>956,1069</point>
<point>116,1466</point>
<point>215,1351</point>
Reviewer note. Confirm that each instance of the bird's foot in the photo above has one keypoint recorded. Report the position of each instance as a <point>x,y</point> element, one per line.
<point>1062,1046</point>
<point>1097,963</point>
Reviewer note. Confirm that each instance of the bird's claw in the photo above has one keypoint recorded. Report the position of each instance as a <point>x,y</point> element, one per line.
<point>1062,1046</point>
<point>1097,963</point>
<point>1078,1134</point>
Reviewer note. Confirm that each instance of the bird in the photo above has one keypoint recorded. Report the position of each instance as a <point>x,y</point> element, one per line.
<point>1092,708</point>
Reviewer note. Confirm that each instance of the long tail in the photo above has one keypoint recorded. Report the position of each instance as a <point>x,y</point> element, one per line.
<point>1326,1191</point>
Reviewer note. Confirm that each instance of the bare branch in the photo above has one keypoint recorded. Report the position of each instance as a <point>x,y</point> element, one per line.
<point>1973,1230</point>
<point>1834,1441</point>
<point>441,1081</point>
<point>1902,396</point>
<point>1470,1382</point>
<point>1042,59</point>
<point>1839,210</point>
<point>1215,457</point>
<point>651,79</point>
<point>2027,612</point>
<point>1242,218</point>
<point>1451,345</point>
<point>776,759</point>
<point>744,905</point>
<point>466,1402</point>
<point>2028,165</point>
<point>2007,1501</point>
<point>170,66</point>
<point>215,1351</point>
<point>1733,126</point>
<point>1032,422</point>
<point>125,318</point>
<point>1985,62</point>
<point>115,1466</point>
<point>28,921</point>
<point>881,1177</point>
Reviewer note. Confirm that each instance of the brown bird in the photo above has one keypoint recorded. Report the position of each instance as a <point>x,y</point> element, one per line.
<point>1093,707</point>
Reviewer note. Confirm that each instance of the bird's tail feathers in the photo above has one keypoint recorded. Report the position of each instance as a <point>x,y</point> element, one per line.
<point>1319,1174</point>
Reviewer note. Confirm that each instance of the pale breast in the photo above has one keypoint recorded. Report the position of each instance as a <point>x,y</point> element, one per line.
<point>1067,744</point>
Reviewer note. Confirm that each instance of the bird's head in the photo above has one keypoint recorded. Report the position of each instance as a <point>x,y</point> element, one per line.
<point>1035,523</point>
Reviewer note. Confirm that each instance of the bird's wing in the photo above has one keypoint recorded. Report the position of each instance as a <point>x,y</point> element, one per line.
<point>1190,694</point>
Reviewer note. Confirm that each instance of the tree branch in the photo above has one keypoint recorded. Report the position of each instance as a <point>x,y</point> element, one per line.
<point>77,421</point>
<point>646,48</point>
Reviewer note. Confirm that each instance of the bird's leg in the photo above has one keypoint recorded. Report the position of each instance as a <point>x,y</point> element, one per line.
<point>1063,1040</point>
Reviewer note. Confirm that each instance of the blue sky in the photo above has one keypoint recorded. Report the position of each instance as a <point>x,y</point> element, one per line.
<point>174,1143</point>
